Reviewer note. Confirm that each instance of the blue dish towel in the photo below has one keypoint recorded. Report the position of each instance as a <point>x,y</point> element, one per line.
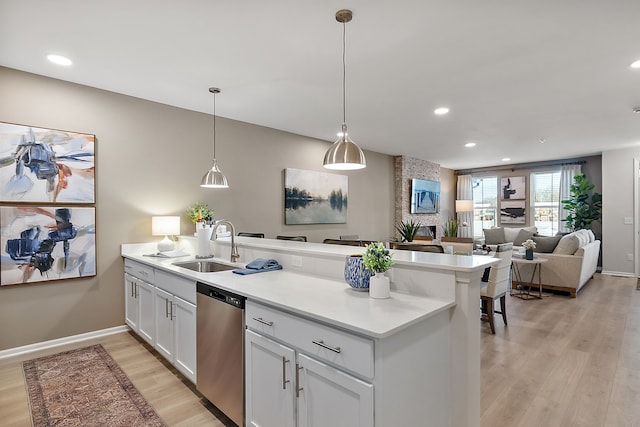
<point>259,265</point>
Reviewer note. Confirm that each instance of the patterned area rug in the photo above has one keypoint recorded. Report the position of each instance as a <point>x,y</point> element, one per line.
<point>84,387</point>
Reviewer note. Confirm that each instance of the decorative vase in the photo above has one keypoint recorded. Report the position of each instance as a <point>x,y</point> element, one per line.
<point>528,254</point>
<point>355,273</point>
<point>379,286</point>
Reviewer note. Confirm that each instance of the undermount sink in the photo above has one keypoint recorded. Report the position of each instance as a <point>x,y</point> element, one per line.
<point>204,266</point>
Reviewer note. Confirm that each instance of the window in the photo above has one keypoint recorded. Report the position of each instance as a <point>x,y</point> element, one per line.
<point>545,202</point>
<point>485,202</point>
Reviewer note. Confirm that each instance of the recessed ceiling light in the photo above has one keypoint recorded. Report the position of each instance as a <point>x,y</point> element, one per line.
<point>441,111</point>
<point>635,64</point>
<point>505,159</point>
<point>470,144</point>
<point>542,141</point>
<point>59,60</point>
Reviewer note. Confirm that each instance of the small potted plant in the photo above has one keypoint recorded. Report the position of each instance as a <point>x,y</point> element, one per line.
<point>200,210</point>
<point>377,259</point>
<point>408,229</point>
<point>528,245</point>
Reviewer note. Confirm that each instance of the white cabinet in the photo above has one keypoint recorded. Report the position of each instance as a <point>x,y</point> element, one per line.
<point>164,323</point>
<point>270,381</point>
<point>139,310</point>
<point>175,324</point>
<point>330,397</point>
<point>303,380</point>
<point>164,315</point>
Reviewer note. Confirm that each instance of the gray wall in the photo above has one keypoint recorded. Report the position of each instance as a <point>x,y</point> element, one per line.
<point>618,202</point>
<point>150,159</point>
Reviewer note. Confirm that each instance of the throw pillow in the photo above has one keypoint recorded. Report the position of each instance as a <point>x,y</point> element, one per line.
<point>522,236</point>
<point>592,237</point>
<point>511,233</point>
<point>568,245</point>
<point>546,245</point>
<point>494,236</point>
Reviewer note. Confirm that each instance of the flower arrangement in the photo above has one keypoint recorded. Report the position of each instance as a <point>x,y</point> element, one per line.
<point>203,209</point>
<point>529,244</point>
<point>377,258</point>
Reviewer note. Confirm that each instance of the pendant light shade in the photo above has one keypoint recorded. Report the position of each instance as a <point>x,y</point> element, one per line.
<point>214,178</point>
<point>344,154</point>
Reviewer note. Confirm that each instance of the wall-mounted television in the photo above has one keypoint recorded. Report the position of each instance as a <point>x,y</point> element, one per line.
<point>425,196</point>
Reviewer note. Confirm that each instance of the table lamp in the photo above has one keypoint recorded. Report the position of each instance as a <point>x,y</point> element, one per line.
<point>165,226</point>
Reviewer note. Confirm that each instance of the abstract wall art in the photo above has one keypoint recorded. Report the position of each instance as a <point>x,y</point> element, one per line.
<point>513,188</point>
<point>46,166</point>
<point>45,243</point>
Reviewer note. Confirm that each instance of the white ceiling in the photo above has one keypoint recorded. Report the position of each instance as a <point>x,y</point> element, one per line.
<point>511,71</point>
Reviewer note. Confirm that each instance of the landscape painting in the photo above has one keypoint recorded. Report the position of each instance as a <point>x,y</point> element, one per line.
<point>513,188</point>
<point>512,212</point>
<point>45,243</point>
<point>46,166</point>
<point>315,197</point>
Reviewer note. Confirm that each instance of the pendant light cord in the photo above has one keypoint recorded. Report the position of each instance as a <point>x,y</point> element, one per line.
<point>344,73</point>
<point>214,125</point>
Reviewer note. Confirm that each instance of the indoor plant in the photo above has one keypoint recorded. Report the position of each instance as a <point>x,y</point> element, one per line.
<point>377,258</point>
<point>450,228</point>
<point>583,210</point>
<point>529,245</point>
<point>408,229</point>
<point>202,210</point>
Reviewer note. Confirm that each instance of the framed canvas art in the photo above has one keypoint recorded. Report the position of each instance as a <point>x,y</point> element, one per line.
<point>46,243</point>
<point>513,188</point>
<point>46,166</point>
<point>315,197</point>
<point>512,212</point>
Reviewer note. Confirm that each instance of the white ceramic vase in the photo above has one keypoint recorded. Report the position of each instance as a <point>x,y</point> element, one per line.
<point>379,286</point>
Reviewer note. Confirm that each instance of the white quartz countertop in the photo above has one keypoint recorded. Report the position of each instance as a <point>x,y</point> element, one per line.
<point>326,300</point>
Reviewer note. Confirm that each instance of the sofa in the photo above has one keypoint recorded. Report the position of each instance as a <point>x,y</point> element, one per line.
<point>572,258</point>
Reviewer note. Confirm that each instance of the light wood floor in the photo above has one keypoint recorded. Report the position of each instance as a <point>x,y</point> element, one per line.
<point>560,362</point>
<point>564,361</point>
<point>173,397</point>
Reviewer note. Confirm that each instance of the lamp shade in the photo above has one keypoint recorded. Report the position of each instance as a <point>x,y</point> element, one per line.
<point>214,178</point>
<point>165,225</point>
<point>464,205</point>
<point>344,154</point>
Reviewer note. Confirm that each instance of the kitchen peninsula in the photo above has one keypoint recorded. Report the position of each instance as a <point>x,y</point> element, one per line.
<point>415,358</point>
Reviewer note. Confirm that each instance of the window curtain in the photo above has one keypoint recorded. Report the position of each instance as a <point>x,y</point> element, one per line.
<point>566,179</point>
<point>465,192</point>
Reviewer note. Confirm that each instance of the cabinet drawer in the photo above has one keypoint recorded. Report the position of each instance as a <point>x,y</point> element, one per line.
<point>324,342</point>
<point>176,285</point>
<point>138,270</point>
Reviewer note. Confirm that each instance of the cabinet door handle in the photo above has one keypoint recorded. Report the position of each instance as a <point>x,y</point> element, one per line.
<point>284,373</point>
<point>298,388</point>
<point>264,322</point>
<point>166,307</point>
<point>133,286</point>
<point>171,316</point>
<point>323,345</point>
<point>135,292</point>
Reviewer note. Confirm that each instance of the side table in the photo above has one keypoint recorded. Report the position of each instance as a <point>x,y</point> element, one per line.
<point>537,262</point>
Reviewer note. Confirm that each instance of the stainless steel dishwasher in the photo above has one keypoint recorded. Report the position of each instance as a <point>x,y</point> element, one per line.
<point>220,349</point>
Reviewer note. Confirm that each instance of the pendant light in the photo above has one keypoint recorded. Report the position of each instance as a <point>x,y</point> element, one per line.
<point>214,178</point>
<point>344,154</point>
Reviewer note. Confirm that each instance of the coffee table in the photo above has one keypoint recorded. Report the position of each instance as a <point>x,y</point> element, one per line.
<point>516,262</point>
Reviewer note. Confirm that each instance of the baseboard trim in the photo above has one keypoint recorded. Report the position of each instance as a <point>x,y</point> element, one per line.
<point>44,345</point>
<point>617,273</point>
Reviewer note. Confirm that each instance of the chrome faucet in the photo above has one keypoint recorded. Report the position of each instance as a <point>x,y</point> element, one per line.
<point>234,248</point>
